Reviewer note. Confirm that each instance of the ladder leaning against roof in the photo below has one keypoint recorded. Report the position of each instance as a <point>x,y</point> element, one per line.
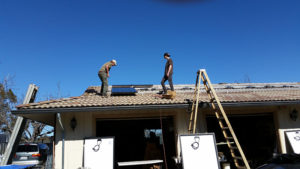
<point>18,128</point>
<point>236,151</point>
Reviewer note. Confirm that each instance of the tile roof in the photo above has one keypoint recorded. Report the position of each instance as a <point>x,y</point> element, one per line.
<point>227,93</point>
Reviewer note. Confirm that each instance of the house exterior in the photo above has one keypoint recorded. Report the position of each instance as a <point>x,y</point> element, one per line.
<point>260,114</point>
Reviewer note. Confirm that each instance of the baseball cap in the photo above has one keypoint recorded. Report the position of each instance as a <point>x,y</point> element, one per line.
<point>115,62</point>
<point>167,54</point>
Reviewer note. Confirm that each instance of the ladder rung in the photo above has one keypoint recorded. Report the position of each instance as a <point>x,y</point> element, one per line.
<point>208,90</point>
<point>234,148</point>
<point>228,138</point>
<point>241,167</point>
<point>220,118</point>
<point>237,158</point>
<point>224,128</point>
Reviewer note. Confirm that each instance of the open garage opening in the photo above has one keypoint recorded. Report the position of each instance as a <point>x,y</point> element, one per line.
<point>256,134</point>
<point>134,139</point>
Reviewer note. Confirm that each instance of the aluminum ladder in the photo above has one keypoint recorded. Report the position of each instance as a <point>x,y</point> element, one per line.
<point>18,128</point>
<point>236,151</point>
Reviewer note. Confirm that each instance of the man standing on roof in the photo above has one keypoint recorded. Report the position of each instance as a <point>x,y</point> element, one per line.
<point>104,74</point>
<point>168,73</point>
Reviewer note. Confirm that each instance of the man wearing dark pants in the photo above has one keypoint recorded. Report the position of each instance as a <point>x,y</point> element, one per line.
<point>168,73</point>
<point>104,74</point>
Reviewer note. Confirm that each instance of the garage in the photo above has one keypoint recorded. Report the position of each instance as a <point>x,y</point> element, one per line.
<point>132,138</point>
<point>256,134</point>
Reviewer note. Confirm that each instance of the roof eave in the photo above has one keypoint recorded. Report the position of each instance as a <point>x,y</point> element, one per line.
<point>95,109</point>
<point>135,107</point>
<point>265,103</point>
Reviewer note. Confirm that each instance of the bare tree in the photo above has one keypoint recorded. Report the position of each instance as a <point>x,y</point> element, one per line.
<point>247,79</point>
<point>7,102</point>
<point>34,130</point>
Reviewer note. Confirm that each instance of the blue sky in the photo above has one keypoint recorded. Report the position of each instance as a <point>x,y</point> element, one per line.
<point>50,42</point>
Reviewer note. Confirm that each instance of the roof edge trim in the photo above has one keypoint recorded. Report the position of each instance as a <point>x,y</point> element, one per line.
<point>165,106</point>
<point>89,109</point>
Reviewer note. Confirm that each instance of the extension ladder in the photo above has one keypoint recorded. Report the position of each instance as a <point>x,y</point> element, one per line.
<point>18,128</point>
<point>236,151</point>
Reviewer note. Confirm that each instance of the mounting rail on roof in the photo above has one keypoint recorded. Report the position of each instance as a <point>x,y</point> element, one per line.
<point>133,86</point>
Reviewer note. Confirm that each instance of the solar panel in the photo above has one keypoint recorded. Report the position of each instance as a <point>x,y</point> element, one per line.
<point>123,91</point>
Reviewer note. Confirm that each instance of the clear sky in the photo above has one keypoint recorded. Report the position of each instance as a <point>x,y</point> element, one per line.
<point>50,42</point>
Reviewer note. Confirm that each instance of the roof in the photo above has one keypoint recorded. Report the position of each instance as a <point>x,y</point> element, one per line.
<point>234,93</point>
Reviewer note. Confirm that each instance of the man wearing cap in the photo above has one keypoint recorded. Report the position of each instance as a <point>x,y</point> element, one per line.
<point>104,74</point>
<point>168,73</point>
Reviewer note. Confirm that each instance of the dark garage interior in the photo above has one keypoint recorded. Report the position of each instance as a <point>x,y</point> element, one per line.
<point>132,136</point>
<point>256,134</point>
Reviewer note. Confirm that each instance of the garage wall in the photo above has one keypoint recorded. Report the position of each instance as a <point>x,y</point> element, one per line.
<point>86,127</point>
<point>73,139</point>
<point>285,123</point>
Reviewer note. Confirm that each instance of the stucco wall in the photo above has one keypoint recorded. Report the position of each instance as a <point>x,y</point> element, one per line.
<point>73,139</point>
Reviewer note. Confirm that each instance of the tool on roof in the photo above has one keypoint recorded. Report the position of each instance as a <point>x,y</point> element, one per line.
<point>169,95</point>
<point>236,151</point>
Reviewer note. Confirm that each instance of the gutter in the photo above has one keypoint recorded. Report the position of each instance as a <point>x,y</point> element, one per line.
<point>252,104</point>
<point>143,107</point>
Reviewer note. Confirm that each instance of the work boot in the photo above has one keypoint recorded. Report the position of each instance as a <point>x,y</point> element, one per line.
<point>104,95</point>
